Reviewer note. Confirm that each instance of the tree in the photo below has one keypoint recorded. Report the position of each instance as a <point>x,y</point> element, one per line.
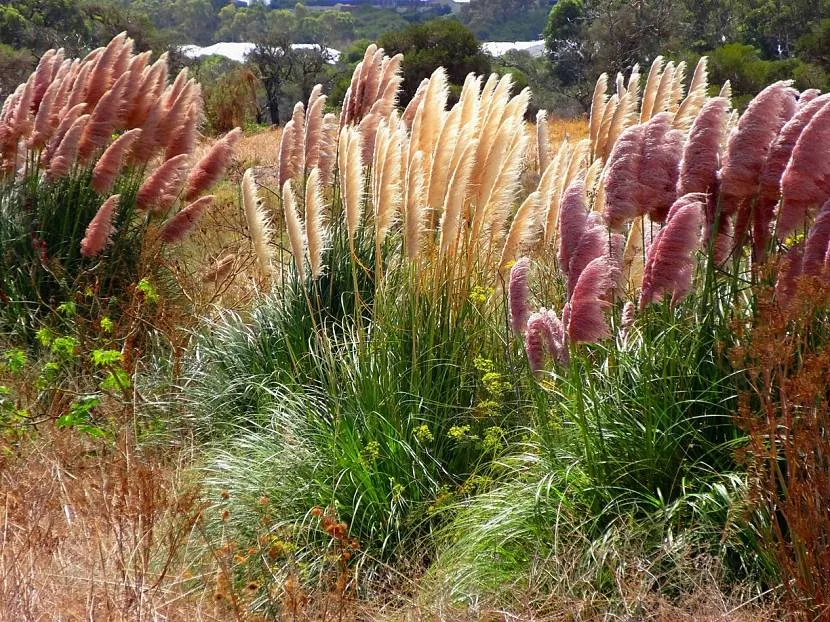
<point>437,43</point>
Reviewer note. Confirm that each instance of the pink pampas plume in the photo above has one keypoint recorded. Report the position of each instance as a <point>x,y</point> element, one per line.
<point>535,343</point>
<point>67,150</point>
<point>774,167</point>
<point>817,244</point>
<point>69,117</point>
<point>183,140</point>
<point>102,76</point>
<point>585,312</point>
<point>806,180</point>
<point>161,184</point>
<point>21,119</point>
<point>178,227</point>
<point>109,163</point>
<point>519,295</point>
<point>660,167</point>
<point>545,335</point>
<point>103,119</point>
<point>43,75</point>
<point>100,229</point>
<point>629,314</point>
<point>789,271</point>
<point>621,200</point>
<point>669,263</point>
<point>807,96</point>
<point>150,140</point>
<point>212,164</point>
<point>573,215</point>
<point>46,118</point>
<point>750,142</point>
<point>699,166</point>
<point>592,244</point>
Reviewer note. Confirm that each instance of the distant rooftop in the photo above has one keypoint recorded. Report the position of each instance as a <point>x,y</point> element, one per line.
<point>238,51</point>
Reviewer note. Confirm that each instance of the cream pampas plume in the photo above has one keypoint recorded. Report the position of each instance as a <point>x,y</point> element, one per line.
<point>286,160</point>
<point>314,223</point>
<point>451,218</point>
<point>542,155</point>
<point>669,263</point>
<point>677,88</point>
<point>551,186</point>
<point>414,104</point>
<point>817,245</point>
<point>442,160</point>
<point>662,97</point>
<point>159,190</point>
<point>109,164</point>
<point>650,92</point>
<point>518,295</point>
<point>351,181</point>
<point>726,90</point>
<point>180,226</point>
<point>625,115</point>
<point>502,199</point>
<point>806,180</point>
<point>694,101</point>
<point>294,228</point>
<point>100,229</point>
<point>258,225</point>
<point>522,229</point>
<point>605,126</point>
<point>208,170</point>
<point>328,148</point>
<point>415,204</point>
<point>699,166</point>
<point>632,261</point>
<point>749,144</point>
<point>597,111</point>
<point>584,314</point>
<point>314,129</point>
<point>67,150</point>
<point>389,193</point>
<point>298,144</point>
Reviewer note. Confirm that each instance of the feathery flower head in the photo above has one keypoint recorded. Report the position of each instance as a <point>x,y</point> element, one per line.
<point>180,226</point>
<point>208,170</point>
<point>519,295</point>
<point>100,229</point>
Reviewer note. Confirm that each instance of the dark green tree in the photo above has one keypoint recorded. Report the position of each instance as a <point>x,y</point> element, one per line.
<point>437,43</point>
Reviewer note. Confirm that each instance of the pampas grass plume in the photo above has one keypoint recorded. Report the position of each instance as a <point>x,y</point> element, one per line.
<point>518,295</point>
<point>108,165</point>
<point>294,228</point>
<point>178,227</point>
<point>314,223</point>
<point>257,222</point>
<point>208,170</point>
<point>100,229</point>
<point>669,262</point>
<point>67,150</point>
<point>585,318</point>
<point>162,183</point>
